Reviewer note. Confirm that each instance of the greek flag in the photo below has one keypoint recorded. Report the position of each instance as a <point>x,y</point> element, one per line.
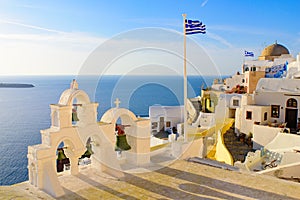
<point>249,53</point>
<point>194,27</point>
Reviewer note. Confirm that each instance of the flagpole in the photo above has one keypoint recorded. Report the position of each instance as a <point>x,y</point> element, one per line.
<point>184,80</point>
<point>243,70</point>
<point>189,27</point>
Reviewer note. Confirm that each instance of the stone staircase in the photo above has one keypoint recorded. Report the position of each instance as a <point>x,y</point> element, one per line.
<point>236,145</point>
<point>196,105</point>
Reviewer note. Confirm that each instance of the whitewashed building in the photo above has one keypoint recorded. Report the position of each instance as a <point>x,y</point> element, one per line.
<point>275,107</point>
<point>165,117</point>
<point>227,105</point>
<point>272,63</point>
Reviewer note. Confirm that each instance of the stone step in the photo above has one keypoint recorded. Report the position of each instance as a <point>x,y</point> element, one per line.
<point>237,148</point>
<point>234,142</point>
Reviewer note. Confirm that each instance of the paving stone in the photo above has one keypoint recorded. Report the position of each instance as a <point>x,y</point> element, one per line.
<point>179,180</point>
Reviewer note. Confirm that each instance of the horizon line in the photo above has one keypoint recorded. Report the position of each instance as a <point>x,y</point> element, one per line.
<point>6,75</point>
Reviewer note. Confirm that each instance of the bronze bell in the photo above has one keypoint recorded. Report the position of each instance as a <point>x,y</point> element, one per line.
<point>61,154</point>
<point>121,144</point>
<point>74,117</point>
<point>88,151</point>
<point>61,160</point>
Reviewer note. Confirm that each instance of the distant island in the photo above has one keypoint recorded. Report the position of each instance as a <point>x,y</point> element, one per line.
<point>15,85</point>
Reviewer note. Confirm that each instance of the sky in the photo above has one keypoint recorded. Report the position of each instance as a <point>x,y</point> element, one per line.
<point>129,36</point>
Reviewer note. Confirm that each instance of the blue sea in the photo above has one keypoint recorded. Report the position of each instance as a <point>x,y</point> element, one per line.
<point>25,111</point>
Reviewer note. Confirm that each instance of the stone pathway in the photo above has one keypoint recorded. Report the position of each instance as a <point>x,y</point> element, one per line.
<point>178,180</point>
<point>237,148</point>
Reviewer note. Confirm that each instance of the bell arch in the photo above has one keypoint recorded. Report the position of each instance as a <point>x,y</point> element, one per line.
<point>127,118</point>
<point>112,115</point>
<point>69,95</point>
<point>69,145</point>
<point>42,158</point>
<point>138,134</point>
<point>73,108</point>
<point>72,149</point>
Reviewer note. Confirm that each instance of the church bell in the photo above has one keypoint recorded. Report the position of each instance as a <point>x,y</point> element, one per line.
<point>61,160</point>
<point>74,117</point>
<point>61,155</point>
<point>74,113</point>
<point>121,144</point>
<point>88,151</point>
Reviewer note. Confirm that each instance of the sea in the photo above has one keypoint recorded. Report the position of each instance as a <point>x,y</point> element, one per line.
<point>26,111</point>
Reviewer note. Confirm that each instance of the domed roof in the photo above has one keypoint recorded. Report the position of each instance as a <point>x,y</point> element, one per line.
<point>275,50</point>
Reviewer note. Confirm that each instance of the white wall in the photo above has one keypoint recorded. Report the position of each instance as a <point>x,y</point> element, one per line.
<point>276,98</point>
<point>293,67</point>
<point>174,114</point>
<point>225,103</point>
<point>234,81</point>
<point>284,141</point>
<point>289,158</point>
<point>205,120</point>
<point>263,135</point>
<point>259,64</point>
<point>246,125</point>
<point>247,99</point>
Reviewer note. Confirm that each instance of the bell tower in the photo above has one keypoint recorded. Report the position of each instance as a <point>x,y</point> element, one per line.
<point>61,113</point>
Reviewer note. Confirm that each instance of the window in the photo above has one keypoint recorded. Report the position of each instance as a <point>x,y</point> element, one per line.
<point>265,116</point>
<point>154,125</point>
<point>291,103</point>
<point>168,124</point>
<point>236,102</point>
<point>275,112</point>
<point>249,115</point>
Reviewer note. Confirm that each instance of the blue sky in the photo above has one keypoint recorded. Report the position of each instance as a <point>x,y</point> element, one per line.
<point>57,37</point>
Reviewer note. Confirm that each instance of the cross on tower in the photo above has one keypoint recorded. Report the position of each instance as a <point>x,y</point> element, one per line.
<point>117,102</point>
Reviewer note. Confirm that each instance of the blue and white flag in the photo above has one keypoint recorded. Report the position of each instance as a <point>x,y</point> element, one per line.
<point>194,27</point>
<point>249,53</point>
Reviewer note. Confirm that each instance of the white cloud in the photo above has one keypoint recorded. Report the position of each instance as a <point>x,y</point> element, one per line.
<point>30,49</point>
<point>48,51</point>
<point>219,39</point>
<point>30,26</point>
<point>26,37</point>
<point>79,38</point>
<point>204,3</point>
<point>29,6</point>
<point>23,57</point>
